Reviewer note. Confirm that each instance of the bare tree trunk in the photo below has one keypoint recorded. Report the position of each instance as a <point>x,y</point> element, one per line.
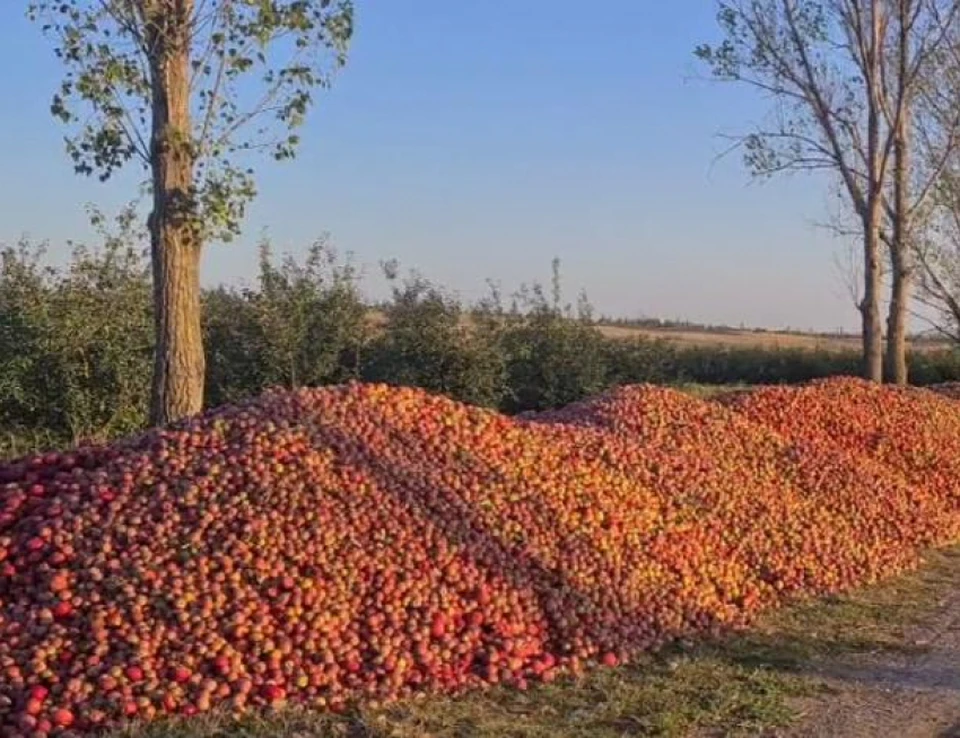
<point>897,370</point>
<point>900,256</point>
<point>873,201</point>
<point>901,269</point>
<point>870,305</point>
<point>175,245</point>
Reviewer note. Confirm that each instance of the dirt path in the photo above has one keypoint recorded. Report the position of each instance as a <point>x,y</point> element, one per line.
<point>912,693</point>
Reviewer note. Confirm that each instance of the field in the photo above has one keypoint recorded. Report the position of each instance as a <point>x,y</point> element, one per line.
<point>729,337</point>
<point>411,565</point>
<point>754,339</point>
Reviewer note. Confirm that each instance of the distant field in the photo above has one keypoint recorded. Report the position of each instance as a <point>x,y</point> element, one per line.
<point>752,339</point>
<point>734,337</point>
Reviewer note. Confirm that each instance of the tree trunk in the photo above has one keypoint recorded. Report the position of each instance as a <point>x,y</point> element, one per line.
<point>897,370</point>
<point>901,271</point>
<point>872,211</point>
<point>179,366</point>
<point>870,306</point>
<point>901,261</point>
<point>175,244</point>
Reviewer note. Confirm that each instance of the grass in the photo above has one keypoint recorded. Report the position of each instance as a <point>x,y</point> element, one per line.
<point>744,684</point>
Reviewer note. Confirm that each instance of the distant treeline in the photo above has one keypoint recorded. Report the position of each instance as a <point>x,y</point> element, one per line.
<point>75,344</point>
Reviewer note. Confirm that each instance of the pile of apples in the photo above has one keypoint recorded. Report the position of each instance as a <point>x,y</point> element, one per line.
<point>910,432</point>
<point>371,542</point>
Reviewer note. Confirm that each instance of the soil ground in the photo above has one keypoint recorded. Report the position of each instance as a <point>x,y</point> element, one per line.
<point>909,692</point>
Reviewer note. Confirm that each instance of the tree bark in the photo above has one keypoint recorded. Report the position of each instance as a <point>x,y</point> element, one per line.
<point>901,262</point>
<point>870,305</point>
<point>872,212</point>
<point>902,283</point>
<point>901,272</point>
<point>175,243</point>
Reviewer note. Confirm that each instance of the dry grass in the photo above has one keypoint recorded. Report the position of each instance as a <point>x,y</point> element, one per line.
<point>744,684</point>
<point>735,338</point>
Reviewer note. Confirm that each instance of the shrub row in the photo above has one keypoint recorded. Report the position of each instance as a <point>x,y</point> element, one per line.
<point>75,343</point>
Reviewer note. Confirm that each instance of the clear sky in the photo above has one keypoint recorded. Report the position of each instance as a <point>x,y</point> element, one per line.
<point>477,140</point>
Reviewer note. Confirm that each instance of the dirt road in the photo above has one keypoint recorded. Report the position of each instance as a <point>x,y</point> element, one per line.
<point>913,692</point>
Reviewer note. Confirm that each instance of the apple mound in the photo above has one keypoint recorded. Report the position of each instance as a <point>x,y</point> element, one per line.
<point>914,433</point>
<point>370,542</point>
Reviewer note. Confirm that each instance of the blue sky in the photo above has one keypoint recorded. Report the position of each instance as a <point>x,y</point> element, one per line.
<point>477,140</point>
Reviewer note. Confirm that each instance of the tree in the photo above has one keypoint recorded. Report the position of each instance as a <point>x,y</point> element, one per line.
<point>840,74</point>
<point>939,276</point>
<point>921,106</point>
<point>938,258</point>
<point>190,89</point>
<point>899,121</point>
<point>923,114</point>
<point>936,216</point>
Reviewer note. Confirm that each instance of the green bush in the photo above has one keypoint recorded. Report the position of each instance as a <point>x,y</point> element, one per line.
<point>640,361</point>
<point>933,367</point>
<point>304,325</point>
<point>76,342</point>
<point>235,346</point>
<point>723,365</point>
<point>426,341</point>
<point>554,355</point>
